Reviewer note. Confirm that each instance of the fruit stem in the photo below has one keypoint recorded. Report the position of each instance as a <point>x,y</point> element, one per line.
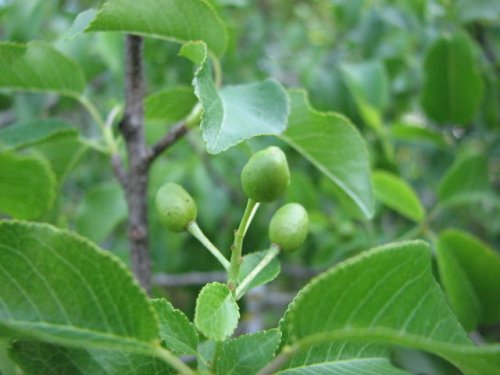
<point>234,268</point>
<point>197,233</point>
<point>271,254</point>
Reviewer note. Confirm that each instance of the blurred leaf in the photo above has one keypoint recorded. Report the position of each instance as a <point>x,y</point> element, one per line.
<point>27,186</point>
<point>235,113</point>
<point>453,88</point>
<point>176,331</point>
<point>334,146</point>
<point>417,134</point>
<point>170,105</point>
<point>268,274</point>
<point>166,19</point>
<point>101,210</point>
<point>386,296</point>
<point>247,354</point>
<point>397,194</point>
<point>478,10</point>
<point>217,313</point>
<point>37,66</point>
<point>470,273</point>
<point>28,133</point>
<point>363,366</point>
<point>465,181</point>
<point>80,23</point>
<point>47,273</point>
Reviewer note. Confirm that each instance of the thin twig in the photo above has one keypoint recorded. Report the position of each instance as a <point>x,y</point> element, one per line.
<point>172,136</point>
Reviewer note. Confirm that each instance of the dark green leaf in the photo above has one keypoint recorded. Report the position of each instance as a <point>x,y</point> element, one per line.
<point>334,146</point>
<point>27,186</point>
<point>170,105</point>
<point>177,20</point>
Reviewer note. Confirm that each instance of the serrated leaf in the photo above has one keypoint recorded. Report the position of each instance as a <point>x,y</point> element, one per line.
<point>247,354</point>
<point>176,331</point>
<point>334,146</point>
<point>41,358</point>
<point>176,20</point>
<point>452,88</point>
<point>268,274</point>
<point>217,313</point>
<point>37,66</point>
<point>235,113</point>
<point>27,186</point>
<point>61,289</point>
<point>397,194</point>
<point>170,105</point>
<point>393,300</point>
<point>466,180</point>
<point>29,133</point>
<point>102,209</point>
<point>470,274</point>
<point>364,366</point>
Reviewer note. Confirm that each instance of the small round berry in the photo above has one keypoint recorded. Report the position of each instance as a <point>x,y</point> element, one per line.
<point>176,208</point>
<point>266,175</point>
<point>289,226</point>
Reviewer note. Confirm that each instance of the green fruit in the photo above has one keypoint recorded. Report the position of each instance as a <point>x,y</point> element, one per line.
<point>176,208</point>
<point>266,175</point>
<point>288,227</point>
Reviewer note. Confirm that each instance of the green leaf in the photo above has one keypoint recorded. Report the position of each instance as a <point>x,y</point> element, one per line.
<point>42,358</point>
<point>417,134</point>
<point>176,331</point>
<point>452,88</point>
<point>334,146</point>
<point>28,133</point>
<point>477,10</point>
<point>470,273</point>
<point>466,180</point>
<point>363,366</point>
<point>268,274</point>
<point>384,296</point>
<point>37,66</point>
<point>103,208</point>
<point>27,186</point>
<point>397,194</point>
<point>61,289</point>
<point>235,113</point>
<point>368,84</point>
<point>217,313</point>
<point>170,105</point>
<point>176,20</point>
<point>247,354</point>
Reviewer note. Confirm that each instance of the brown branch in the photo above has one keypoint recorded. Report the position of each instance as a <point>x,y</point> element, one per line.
<point>132,129</point>
<point>172,136</point>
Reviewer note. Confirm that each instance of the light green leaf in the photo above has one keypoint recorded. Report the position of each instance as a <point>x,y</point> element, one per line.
<point>466,180</point>
<point>417,134</point>
<point>102,209</point>
<point>470,273</point>
<point>452,88</point>
<point>37,66</point>
<point>334,146</point>
<point>235,113</point>
<point>176,331</point>
<point>27,186</point>
<point>42,358</point>
<point>397,194</point>
<point>176,20</point>
<point>61,289</point>
<point>28,133</point>
<point>368,84</point>
<point>247,354</point>
<point>268,274</point>
<point>217,312</point>
<point>363,366</point>
<point>170,105</point>
<point>385,296</point>
<point>477,10</point>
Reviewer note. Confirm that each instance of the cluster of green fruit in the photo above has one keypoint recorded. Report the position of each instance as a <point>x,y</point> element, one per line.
<point>264,178</point>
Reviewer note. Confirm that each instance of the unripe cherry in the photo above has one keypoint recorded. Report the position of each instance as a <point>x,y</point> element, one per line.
<point>176,208</point>
<point>289,226</point>
<point>266,175</point>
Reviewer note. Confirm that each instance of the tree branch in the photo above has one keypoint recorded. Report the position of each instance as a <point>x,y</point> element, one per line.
<point>172,136</point>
